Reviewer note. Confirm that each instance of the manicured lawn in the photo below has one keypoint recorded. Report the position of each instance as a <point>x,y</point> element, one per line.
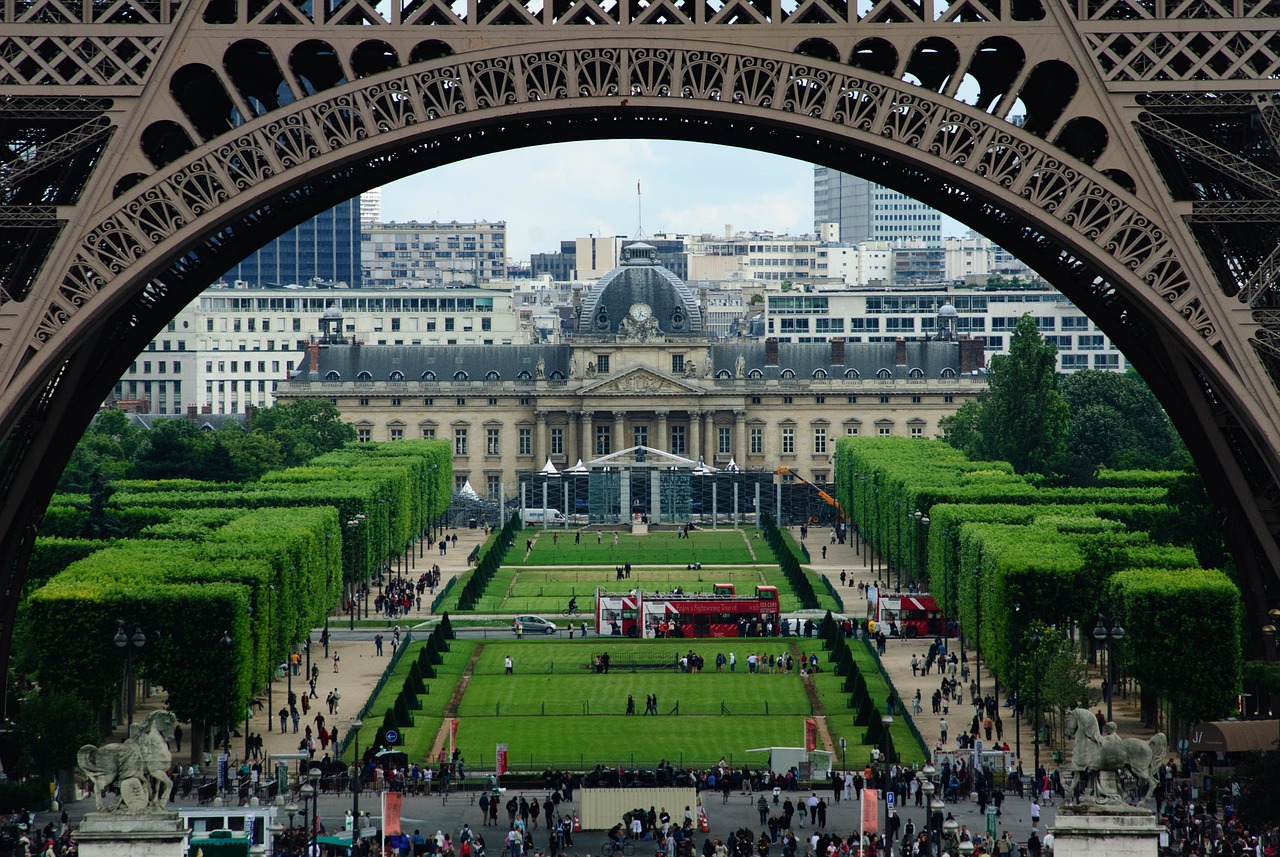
<point>555,710</point>
<point>709,547</point>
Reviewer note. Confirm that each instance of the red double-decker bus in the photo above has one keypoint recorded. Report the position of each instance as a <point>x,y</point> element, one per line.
<point>722,613</point>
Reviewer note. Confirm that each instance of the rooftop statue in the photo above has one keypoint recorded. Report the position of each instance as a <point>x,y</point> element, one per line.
<point>1101,755</point>
<point>137,766</point>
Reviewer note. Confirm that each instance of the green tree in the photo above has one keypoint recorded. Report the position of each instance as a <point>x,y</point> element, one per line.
<point>53,725</point>
<point>1116,422</point>
<point>304,428</point>
<point>108,446</point>
<point>99,524</point>
<point>173,449</point>
<point>1024,419</point>
<point>961,431</point>
<point>253,453</point>
<point>1051,675</point>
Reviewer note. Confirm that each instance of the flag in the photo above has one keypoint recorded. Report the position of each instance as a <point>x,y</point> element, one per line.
<point>501,758</point>
<point>810,735</point>
<point>637,188</point>
<point>870,811</point>
<point>391,802</point>
<point>453,734</point>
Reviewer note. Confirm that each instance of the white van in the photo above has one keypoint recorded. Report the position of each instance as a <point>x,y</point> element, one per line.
<point>553,517</point>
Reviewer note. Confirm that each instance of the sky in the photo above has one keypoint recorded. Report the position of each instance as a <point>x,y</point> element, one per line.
<point>547,194</point>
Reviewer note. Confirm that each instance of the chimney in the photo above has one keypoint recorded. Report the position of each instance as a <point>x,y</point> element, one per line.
<point>771,351</point>
<point>837,351</point>
<point>972,356</point>
<point>206,409</point>
<point>900,352</point>
<point>191,412</point>
<point>314,351</point>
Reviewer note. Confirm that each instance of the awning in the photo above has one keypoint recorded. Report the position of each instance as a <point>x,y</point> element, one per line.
<point>1234,736</point>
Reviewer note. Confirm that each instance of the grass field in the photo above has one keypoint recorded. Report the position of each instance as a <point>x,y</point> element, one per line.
<point>555,710</point>
<point>709,547</point>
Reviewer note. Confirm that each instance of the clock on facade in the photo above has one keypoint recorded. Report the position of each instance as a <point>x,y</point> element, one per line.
<point>640,311</point>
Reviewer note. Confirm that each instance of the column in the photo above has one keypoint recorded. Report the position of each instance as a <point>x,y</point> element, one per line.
<point>740,438</point>
<point>695,434</point>
<point>709,447</point>
<point>586,443</point>
<point>619,426</point>
<point>663,440</point>
<point>541,450</point>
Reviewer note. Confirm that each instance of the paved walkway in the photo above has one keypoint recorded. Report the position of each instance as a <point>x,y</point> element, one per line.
<point>897,659</point>
<point>359,666</point>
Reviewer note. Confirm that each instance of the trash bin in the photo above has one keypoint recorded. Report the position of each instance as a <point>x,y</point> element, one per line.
<point>472,524</point>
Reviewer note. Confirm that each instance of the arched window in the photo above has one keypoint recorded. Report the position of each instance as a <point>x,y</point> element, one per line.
<point>948,372</point>
<point>820,374</point>
<point>397,375</point>
<point>916,372</point>
<point>884,374</point>
<point>724,375</point>
<point>788,374</point>
<point>852,373</point>
<point>459,375</point>
<point>428,375</point>
<point>525,375</point>
<point>491,375</point>
<point>756,374</point>
<point>557,375</point>
<point>332,375</point>
<point>365,376</point>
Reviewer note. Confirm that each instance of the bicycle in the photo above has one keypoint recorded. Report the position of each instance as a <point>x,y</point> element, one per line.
<point>625,847</point>
<point>572,611</point>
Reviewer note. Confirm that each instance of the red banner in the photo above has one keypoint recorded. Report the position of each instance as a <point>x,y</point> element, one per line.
<point>453,734</point>
<point>810,735</point>
<point>501,757</point>
<point>391,813</point>
<point>870,811</point>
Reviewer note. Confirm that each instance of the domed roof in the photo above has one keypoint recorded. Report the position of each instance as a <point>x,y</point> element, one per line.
<point>641,300</point>
<point>947,310</point>
<point>332,311</point>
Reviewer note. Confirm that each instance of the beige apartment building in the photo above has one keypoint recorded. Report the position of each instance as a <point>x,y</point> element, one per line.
<point>640,372</point>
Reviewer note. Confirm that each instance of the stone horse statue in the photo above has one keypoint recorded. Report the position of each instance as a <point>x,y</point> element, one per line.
<point>1098,758</point>
<point>134,764</point>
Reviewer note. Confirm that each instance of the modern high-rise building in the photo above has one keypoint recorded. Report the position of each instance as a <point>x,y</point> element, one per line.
<point>868,212</point>
<point>371,206</point>
<point>325,248</point>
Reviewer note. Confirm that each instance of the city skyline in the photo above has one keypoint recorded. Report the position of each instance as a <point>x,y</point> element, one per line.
<point>686,187</point>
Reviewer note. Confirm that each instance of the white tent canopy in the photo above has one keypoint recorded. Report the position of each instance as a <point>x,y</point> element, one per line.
<point>578,468</point>
<point>467,491</point>
<point>549,469</point>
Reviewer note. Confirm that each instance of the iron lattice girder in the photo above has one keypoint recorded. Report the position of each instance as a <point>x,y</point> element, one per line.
<point>45,155</point>
<point>1235,211</point>
<point>1207,152</point>
<point>28,216</point>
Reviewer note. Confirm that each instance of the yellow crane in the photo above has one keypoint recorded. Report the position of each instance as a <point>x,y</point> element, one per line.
<point>787,471</point>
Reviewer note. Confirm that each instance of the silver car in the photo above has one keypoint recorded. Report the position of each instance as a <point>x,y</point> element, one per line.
<point>533,625</point>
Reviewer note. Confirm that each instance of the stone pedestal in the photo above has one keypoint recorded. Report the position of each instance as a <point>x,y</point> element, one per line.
<point>121,834</point>
<point>639,528</point>
<point>1105,831</point>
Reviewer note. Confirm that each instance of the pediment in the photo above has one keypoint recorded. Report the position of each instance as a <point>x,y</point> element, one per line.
<point>640,382</point>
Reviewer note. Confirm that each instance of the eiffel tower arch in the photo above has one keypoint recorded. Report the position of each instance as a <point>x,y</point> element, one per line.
<point>1124,148</point>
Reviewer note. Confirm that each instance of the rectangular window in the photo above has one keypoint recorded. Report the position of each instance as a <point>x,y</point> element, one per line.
<point>724,440</point>
<point>492,442</point>
<point>917,431</point>
<point>428,433</point>
<point>1071,362</point>
<point>819,400</point>
<point>1106,361</point>
<point>460,441</point>
<point>639,435</point>
<point>757,441</point>
<point>557,441</point>
<point>678,435</point>
<point>397,434</point>
<point>883,431</point>
<point>602,363</point>
<point>915,400</point>
<point>677,364</point>
<point>851,430</point>
<point>788,441</point>
<point>820,440</point>
<point>494,484</point>
<point>363,435</point>
<point>603,447</point>
<point>524,442</point>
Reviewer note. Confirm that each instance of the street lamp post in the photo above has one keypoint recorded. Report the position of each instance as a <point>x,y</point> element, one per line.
<point>1108,631</point>
<point>225,643</point>
<point>925,776</point>
<point>129,642</point>
<point>351,598</point>
<point>977,630</point>
<point>1035,677</point>
<point>355,787</point>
